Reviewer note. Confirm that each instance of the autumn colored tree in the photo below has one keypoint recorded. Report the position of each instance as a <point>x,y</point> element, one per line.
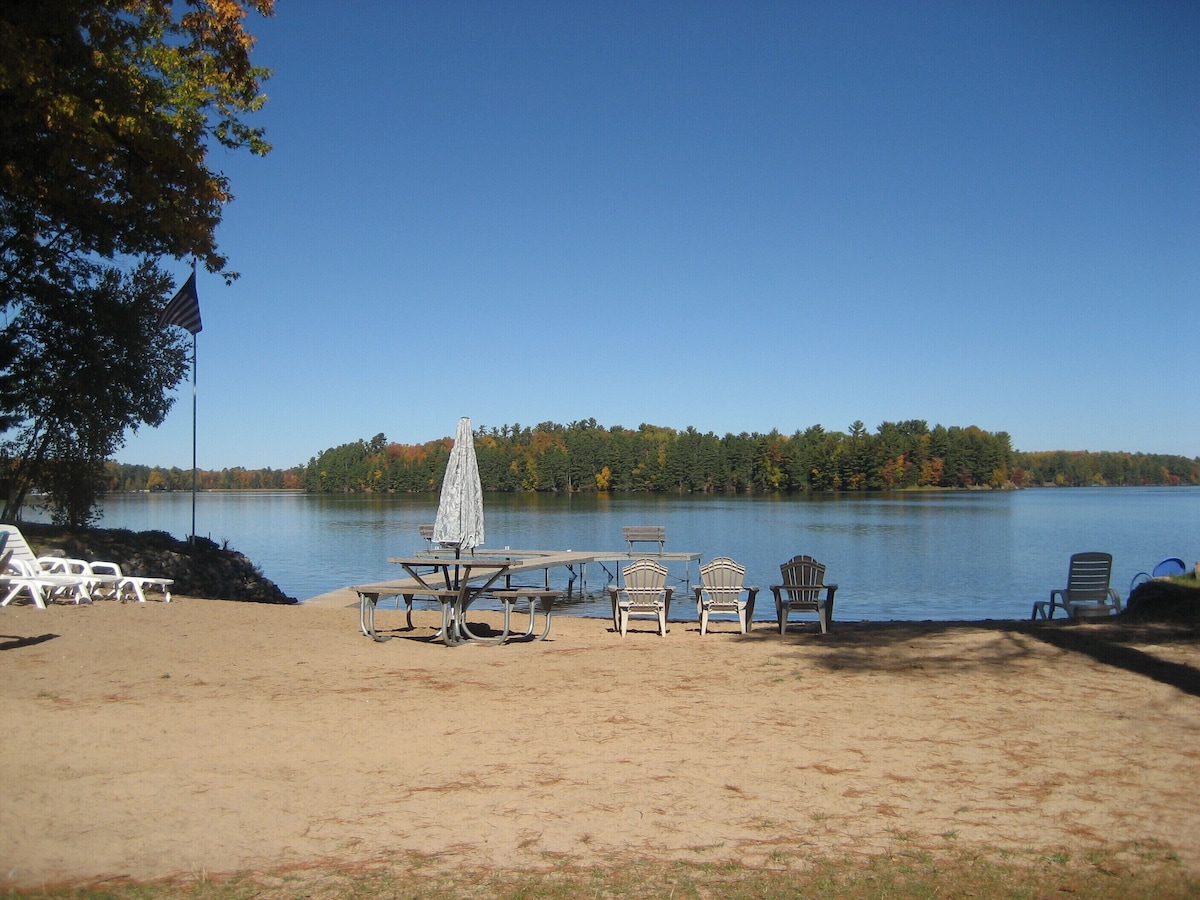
<point>108,110</point>
<point>513,459</point>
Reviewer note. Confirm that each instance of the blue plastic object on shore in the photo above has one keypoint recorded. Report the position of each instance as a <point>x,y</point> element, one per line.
<point>1169,567</point>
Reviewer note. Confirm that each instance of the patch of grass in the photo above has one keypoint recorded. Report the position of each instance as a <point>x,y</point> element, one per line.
<point>899,874</point>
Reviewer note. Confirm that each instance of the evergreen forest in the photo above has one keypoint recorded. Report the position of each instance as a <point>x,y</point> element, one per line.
<point>585,456</point>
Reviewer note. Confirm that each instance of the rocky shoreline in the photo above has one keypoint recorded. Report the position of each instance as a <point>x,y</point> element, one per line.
<point>1164,601</point>
<point>205,570</point>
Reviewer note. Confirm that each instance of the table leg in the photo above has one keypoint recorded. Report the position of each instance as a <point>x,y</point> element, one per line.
<point>547,605</point>
<point>550,616</point>
<point>538,602</point>
<point>468,635</point>
<point>449,631</point>
<point>366,615</point>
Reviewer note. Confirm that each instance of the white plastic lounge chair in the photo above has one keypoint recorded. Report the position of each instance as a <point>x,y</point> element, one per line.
<point>134,587</point>
<point>721,591</point>
<point>41,588</point>
<point>802,590</point>
<point>29,562</point>
<point>1087,594</point>
<point>101,580</point>
<point>38,590</point>
<point>108,582</point>
<point>41,578</point>
<point>644,594</point>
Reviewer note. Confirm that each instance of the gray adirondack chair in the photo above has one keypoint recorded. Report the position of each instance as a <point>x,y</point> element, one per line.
<point>721,591</point>
<point>803,590</point>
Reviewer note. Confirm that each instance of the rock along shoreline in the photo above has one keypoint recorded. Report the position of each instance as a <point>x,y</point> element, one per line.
<point>204,570</point>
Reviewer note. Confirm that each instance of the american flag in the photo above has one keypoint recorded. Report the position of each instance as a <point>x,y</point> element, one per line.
<point>184,308</point>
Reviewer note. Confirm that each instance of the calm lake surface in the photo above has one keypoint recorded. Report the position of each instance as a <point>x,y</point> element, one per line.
<point>944,555</point>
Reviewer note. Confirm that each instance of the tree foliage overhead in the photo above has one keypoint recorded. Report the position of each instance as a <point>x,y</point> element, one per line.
<point>108,110</point>
<point>82,333</point>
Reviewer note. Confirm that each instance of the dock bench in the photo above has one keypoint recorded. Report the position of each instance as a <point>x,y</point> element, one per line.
<point>645,534</point>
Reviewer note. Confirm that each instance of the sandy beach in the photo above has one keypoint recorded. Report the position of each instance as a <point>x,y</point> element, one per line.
<point>204,736</point>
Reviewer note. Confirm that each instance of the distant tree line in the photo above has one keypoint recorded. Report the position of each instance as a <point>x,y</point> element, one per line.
<point>584,456</point>
<point>124,478</point>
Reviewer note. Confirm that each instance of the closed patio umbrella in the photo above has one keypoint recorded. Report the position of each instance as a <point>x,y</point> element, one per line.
<point>459,521</point>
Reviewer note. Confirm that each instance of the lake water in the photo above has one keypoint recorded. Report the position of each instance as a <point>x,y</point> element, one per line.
<point>914,556</point>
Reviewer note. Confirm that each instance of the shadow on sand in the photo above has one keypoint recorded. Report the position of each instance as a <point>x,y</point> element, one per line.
<point>905,646</point>
<point>15,642</point>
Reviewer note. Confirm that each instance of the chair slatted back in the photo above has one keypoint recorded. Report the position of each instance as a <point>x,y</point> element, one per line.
<point>803,579</point>
<point>23,556</point>
<point>644,582</point>
<point>1089,577</point>
<point>721,579</point>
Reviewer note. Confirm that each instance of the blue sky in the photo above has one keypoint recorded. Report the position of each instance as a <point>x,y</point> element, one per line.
<point>737,216</point>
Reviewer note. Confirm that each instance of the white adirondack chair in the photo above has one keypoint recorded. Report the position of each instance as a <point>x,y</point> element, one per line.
<point>644,594</point>
<point>721,591</point>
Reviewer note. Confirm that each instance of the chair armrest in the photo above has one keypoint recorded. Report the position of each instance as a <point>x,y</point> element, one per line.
<point>1112,592</point>
<point>827,588</point>
<point>751,591</point>
<point>21,567</point>
<point>668,591</point>
<point>61,564</point>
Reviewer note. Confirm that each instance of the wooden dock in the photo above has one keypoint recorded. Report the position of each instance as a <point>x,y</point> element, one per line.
<point>525,561</point>
<point>574,561</point>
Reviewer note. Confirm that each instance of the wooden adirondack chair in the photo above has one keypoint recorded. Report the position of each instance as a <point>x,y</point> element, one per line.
<point>721,591</point>
<point>644,594</point>
<point>1087,594</point>
<point>804,590</point>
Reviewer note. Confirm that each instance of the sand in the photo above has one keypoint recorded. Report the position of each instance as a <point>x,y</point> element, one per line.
<point>213,737</point>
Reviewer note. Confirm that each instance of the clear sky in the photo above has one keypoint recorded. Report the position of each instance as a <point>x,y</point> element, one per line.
<point>737,216</point>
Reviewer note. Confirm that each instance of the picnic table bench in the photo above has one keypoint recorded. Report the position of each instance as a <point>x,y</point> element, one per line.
<point>454,601</point>
<point>647,534</point>
<point>539,600</point>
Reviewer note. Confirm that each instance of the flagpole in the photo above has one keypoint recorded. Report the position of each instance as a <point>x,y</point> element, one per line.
<point>193,537</point>
<point>184,310</point>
